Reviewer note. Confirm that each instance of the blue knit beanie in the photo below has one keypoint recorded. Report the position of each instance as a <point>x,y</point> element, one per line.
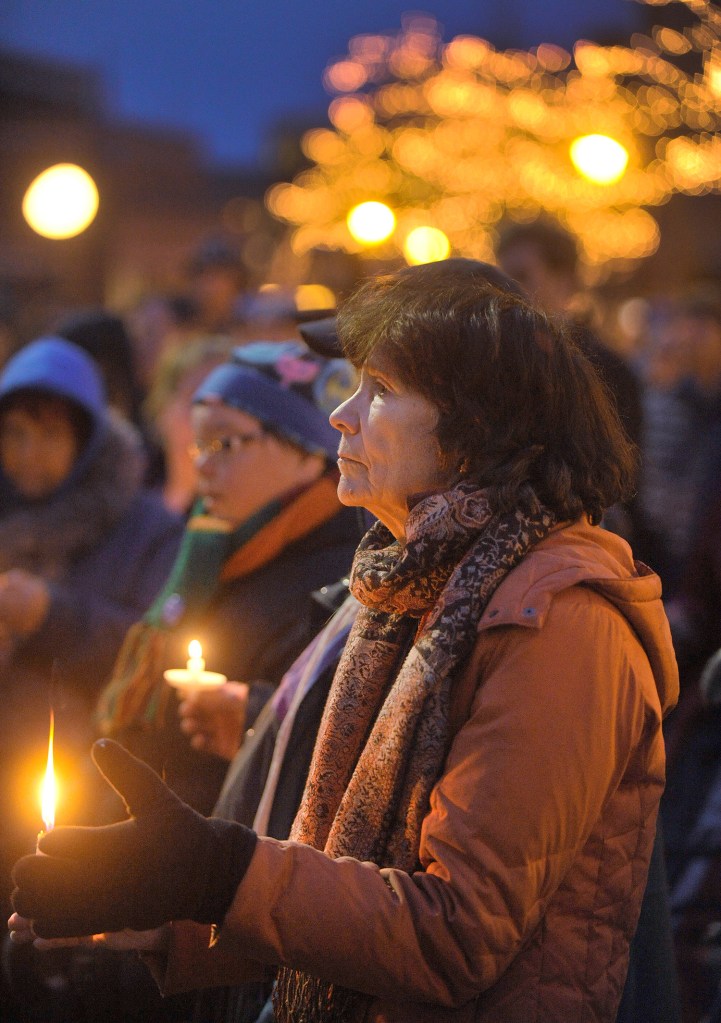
<point>287,388</point>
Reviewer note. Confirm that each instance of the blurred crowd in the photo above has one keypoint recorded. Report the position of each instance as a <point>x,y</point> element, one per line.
<point>125,531</point>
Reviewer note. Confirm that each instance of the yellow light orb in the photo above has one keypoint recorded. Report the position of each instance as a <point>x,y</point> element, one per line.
<point>313,296</point>
<point>371,222</point>
<point>599,158</point>
<point>61,202</point>
<point>426,245</point>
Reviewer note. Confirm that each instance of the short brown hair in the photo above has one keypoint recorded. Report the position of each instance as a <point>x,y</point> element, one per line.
<point>517,401</point>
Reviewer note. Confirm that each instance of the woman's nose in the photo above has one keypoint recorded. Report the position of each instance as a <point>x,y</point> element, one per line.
<point>344,417</point>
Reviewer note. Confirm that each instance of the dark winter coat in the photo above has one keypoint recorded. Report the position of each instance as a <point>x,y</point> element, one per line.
<point>253,630</point>
<point>104,547</point>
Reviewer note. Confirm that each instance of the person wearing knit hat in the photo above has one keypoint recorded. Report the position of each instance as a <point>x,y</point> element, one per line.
<point>288,388</point>
<point>266,531</point>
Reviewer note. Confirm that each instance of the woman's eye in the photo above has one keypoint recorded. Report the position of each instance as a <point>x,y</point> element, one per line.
<point>379,388</point>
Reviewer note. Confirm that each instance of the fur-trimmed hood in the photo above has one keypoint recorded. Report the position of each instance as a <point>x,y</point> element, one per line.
<point>48,537</point>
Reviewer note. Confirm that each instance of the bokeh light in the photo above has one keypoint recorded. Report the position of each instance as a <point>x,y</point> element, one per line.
<point>371,223</point>
<point>462,136</point>
<point>61,202</point>
<point>313,296</point>
<point>599,158</point>
<point>426,245</point>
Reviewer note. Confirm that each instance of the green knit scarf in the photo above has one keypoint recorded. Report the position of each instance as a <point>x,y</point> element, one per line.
<point>136,694</point>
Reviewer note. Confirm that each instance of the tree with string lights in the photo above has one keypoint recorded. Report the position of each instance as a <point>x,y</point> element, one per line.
<point>432,144</point>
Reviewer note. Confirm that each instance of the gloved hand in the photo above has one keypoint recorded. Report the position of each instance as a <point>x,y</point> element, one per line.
<point>165,863</point>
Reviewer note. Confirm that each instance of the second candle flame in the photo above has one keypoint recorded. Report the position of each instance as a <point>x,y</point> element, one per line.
<point>196,661</point>
<point>48,789</point>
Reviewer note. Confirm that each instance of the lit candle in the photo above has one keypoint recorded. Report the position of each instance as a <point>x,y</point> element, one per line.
<point>193,677</point>
<point>48,786</point>
<point>196,661</point>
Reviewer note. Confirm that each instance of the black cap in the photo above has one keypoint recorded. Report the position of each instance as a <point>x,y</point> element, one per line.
<point>321,336</point>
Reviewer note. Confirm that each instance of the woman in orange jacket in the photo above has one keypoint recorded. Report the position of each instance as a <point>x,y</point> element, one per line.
<point>476,828</point>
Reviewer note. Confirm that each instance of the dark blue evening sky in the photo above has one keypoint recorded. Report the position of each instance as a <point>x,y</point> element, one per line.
<point>228,69</point>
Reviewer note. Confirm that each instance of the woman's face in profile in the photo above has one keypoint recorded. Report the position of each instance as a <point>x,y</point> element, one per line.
<point>388,451</point>
<point>241,467</point>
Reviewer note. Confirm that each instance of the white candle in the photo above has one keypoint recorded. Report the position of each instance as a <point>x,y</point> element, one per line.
<point>193,677</point>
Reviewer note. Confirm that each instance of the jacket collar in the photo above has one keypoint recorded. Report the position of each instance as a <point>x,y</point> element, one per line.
<point>579,554</point>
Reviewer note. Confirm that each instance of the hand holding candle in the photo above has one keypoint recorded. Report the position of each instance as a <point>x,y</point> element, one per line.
<point>166,862</point>
<point>193,677</point>
<point>214,720</point>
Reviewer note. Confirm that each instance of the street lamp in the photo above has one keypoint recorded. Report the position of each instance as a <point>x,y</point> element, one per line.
<point>61,202</point>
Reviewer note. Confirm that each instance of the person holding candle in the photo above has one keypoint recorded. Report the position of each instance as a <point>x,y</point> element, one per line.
<point>267,530</point>
<point>476,828</point>
<point>84,549</point>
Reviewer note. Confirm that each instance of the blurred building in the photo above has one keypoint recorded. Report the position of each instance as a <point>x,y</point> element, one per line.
<point>158,196</point>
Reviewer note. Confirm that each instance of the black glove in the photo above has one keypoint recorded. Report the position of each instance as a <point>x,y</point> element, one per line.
<point>165,863</point>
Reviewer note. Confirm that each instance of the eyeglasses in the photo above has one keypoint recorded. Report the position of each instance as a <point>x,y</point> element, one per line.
<point>223,446</point>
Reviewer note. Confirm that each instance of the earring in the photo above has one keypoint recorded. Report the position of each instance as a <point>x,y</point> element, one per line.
<point>464,466</point>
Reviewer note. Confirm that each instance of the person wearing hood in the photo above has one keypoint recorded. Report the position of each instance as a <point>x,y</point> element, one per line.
<point>266,530</point>
<point>83,551</point>
<point>475,833</point>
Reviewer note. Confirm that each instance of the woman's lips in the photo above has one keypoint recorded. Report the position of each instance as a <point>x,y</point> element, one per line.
<point>343,456</point>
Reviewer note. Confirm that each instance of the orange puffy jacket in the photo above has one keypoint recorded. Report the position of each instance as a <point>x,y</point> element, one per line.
<point>537,841</point>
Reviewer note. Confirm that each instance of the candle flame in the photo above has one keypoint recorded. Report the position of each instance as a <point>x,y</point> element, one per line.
<point>195,650</point>
<point>48,789</point>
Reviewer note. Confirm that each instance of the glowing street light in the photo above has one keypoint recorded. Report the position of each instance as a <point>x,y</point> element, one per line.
<point>426,245</point>
<point>61,202</point>
<point>370,223</point>
<point>599,158</point>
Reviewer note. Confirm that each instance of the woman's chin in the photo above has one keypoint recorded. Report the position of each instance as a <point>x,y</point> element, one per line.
<point>348,493</point>
<point>215,509</point>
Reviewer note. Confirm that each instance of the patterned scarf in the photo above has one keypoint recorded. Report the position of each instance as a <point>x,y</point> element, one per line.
<point>386,728</point>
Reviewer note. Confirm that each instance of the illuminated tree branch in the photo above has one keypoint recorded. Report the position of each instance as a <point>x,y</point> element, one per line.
<point>456,136</point>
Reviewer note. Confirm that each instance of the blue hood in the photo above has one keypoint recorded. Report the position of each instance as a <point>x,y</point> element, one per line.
<point>59,368</point>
